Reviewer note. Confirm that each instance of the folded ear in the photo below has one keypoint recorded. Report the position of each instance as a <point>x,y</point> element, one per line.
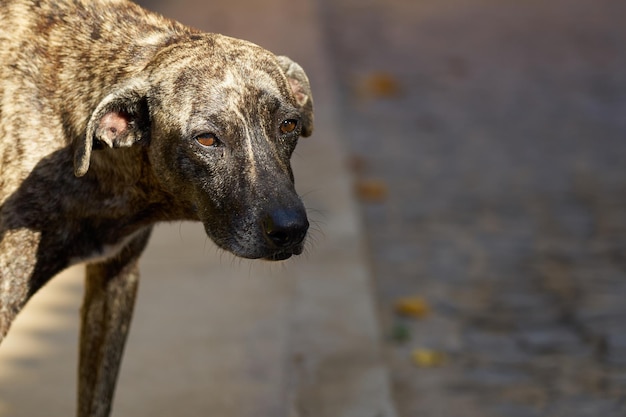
<point>301,88</point>
<point>120,120</point>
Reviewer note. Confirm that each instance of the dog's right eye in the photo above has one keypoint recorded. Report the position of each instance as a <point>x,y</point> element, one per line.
<point>288,126</point>
<point>208,139</point>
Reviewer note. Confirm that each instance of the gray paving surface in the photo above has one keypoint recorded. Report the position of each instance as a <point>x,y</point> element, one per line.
<point>499,128</point>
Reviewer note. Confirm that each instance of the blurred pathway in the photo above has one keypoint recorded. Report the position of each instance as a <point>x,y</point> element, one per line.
<point>490,143</point>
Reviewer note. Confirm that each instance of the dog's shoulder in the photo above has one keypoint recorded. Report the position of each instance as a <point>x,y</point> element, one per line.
<point>58,59</point>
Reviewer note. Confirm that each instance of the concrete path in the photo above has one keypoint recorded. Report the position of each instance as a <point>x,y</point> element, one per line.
<point>498,128</point>
<point>214,335</point>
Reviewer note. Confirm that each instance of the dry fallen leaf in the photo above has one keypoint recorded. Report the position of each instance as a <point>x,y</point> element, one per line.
<point>413,307</point>
<point>380,85</point>
<point>371,191</point>
<point>426,358</point>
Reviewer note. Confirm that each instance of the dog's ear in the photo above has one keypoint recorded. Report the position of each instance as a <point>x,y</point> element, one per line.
<point>120,120</point>
<point>301,90</point>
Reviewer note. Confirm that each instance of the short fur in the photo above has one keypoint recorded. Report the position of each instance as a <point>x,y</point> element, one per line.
<point>113,118</point>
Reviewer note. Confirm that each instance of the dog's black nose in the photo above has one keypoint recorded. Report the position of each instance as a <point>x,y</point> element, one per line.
<point>285,228</point>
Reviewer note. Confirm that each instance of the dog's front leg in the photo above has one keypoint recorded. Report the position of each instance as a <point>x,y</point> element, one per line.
<point>110,292</point>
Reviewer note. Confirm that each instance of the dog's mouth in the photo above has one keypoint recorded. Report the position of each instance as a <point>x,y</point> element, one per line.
<point>253,246</point>
<point>285,254</point>
<point>267,254</point>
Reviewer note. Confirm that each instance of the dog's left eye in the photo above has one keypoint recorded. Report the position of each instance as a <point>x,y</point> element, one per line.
<point>288,126</point>
<point>208,140</point>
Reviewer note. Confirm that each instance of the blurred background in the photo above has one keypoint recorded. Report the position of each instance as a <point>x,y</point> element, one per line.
<point>489,138</point>
<point>468,178</point>
<point>490,141</point>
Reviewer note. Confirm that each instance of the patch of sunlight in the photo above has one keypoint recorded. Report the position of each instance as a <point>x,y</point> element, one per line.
<point>40,349</point>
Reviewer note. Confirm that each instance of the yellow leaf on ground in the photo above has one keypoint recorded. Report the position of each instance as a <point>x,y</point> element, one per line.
<point>413,307</point>
<point>426,358</point>
<point>371,191</point>
<point>381,85</point>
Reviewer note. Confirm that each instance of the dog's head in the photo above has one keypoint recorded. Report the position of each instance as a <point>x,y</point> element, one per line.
<point>219,119</point>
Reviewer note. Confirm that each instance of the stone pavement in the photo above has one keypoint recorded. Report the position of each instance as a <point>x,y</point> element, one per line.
<point>214,335</point>
<point>497,130</point>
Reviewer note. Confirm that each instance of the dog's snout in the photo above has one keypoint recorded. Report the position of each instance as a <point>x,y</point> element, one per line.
<point>285,228</point>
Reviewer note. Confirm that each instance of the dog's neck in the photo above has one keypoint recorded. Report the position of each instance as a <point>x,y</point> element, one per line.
<point>116,200</point>
<point>125,180</point>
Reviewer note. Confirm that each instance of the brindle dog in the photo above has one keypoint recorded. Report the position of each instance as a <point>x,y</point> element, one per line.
<point>112,119</point>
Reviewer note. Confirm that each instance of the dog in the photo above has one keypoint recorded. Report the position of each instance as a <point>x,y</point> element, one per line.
<point>112,119</point>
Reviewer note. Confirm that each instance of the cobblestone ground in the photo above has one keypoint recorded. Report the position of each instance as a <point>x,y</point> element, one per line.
<point>499,131</point>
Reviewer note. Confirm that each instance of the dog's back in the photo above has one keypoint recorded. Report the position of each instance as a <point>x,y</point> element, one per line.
<point>56,59</point>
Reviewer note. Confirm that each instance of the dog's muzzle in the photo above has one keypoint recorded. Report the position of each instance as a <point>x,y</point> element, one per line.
<point>285,231</point>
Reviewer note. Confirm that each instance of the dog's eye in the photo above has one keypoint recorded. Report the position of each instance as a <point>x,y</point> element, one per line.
<point>208,140</point>
<point>288,126</point>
